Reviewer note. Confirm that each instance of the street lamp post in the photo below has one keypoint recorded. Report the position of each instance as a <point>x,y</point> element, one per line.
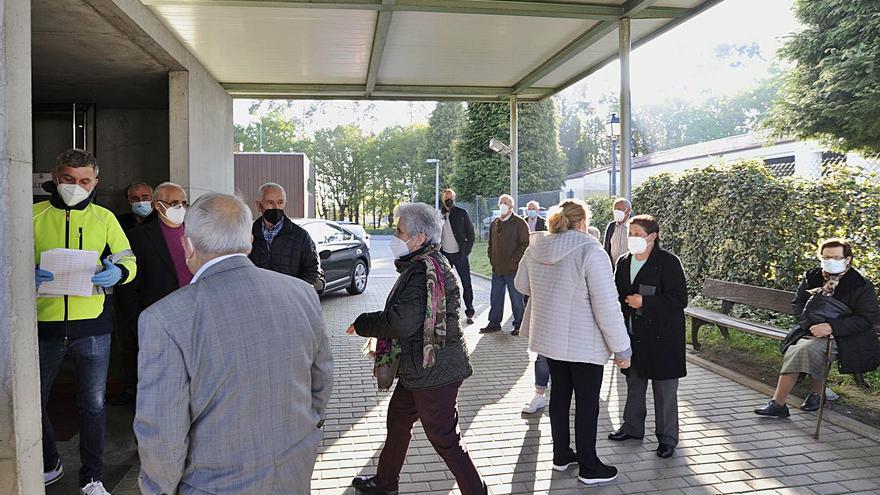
<point>436,163</point>
<point>612,129</point>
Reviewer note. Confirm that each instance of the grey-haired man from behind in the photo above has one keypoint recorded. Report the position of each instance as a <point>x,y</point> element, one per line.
<point>235,369</point>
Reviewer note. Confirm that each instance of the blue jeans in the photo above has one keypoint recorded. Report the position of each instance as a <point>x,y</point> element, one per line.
<point>496,299</point>
<point>542,373</point>
<point>91,358</point>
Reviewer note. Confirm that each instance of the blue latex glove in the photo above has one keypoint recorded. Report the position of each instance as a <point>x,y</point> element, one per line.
<point>41,276</point>
<point>109,276</point>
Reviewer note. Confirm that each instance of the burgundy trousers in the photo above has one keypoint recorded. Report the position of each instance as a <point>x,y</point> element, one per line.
<point>438,410</point>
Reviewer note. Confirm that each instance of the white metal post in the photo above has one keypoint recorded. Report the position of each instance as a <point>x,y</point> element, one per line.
<point>514,153</point>
<point>625,111</point>
<point>437,184</point>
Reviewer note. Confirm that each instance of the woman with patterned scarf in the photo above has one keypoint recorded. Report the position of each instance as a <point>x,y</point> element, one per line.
<point>854,338</point>
<point>419,335</point>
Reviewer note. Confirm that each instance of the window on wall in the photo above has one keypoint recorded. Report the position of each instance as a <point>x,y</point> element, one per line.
<point>782,166</point>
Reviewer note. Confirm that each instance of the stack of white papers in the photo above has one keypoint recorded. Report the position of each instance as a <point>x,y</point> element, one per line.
<point>73,270</point>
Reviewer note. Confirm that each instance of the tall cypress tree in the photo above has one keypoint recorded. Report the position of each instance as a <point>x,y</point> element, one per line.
<point>481,171</point>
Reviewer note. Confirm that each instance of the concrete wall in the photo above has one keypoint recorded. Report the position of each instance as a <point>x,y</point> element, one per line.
<point>132,146</point>
<point>200,110</point>
<point>21,457</point>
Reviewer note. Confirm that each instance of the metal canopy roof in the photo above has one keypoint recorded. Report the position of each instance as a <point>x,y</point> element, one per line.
<point>411,49</point>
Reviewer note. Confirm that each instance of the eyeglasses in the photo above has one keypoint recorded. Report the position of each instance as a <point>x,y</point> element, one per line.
<point>838,258</point>
<point>174,204</point>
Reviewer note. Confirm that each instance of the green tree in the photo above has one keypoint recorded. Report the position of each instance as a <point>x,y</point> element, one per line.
<point>570,138</point>
<point>444,130</point>
<point>479,171</point>
<point>833,92</point>
<point>341,170</point>
<point>279,134</point>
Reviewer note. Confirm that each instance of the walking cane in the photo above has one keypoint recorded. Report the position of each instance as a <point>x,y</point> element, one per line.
<point>824,386</point>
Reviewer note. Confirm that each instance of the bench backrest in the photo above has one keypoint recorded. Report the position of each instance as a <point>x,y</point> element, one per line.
<point>750,295</point>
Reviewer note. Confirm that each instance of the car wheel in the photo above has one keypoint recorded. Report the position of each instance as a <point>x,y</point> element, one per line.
<point>358,279</point>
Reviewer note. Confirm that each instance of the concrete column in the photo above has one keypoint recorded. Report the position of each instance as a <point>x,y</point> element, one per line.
<point>21,455</point>
<point>201,133</point>
<point>625,183</point>
<point>178,128</point>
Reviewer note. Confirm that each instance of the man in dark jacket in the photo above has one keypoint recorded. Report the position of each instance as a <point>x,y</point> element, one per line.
<point>508,240</point>
<point>456,244</point>
<point>616,232</point>
<point>279,244</point>
<point>533,217</point>
<point>163,270</point>
<point>140,200</point>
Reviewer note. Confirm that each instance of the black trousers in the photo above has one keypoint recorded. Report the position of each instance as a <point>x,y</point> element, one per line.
<point>462,266</point>
<point>584,380</point>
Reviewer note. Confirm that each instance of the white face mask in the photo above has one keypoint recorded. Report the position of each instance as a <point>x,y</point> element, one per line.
<point>175,214</point>
<point>399,247</point>
<point>72,194</point>
<point>833,267</point>
<point>636,245</point>
<point>504,209</point>
<point>619,215</point>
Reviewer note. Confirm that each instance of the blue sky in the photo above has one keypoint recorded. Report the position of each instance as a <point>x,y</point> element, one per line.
<point>682,64</point>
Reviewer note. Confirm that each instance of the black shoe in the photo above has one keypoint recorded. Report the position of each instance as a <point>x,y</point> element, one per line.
<point>811,403</point>
<point>665,451</point>
<point>515,331</point>
<point>599,473</point>
<point>774,410</point>
<point>470,316</point>
<point>490,328</point>
<point>470,320</point>
<point>367,484</point>
<point>565,462</point>
<point>620,435</point>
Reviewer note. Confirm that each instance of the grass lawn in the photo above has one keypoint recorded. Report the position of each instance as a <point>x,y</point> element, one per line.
<point>479,259</point>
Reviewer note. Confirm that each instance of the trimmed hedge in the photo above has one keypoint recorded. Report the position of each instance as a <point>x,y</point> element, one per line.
<point>740,223</point>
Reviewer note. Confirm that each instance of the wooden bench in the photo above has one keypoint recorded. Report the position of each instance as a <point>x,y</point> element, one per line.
<point>731,293</point>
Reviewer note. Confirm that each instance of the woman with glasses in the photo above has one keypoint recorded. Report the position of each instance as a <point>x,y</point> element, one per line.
<point>851,330</point>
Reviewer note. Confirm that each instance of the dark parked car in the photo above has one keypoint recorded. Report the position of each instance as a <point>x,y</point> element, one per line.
<point>345,257</point>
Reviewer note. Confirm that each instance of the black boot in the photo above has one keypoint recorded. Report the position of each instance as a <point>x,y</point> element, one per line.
<point>367,484</point>
<point>774,410</point>
<point>811,403</point>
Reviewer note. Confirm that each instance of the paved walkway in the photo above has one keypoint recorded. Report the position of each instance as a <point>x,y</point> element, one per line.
<point>724,448</point>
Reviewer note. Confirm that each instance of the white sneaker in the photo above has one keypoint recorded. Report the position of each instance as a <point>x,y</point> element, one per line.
<point>54,475</point>
<point>95,488</point>
<point>538,402</point>
<point>830,395</point>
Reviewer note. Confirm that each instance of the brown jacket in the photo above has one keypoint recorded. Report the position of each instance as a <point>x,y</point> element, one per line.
<point>508,241</point>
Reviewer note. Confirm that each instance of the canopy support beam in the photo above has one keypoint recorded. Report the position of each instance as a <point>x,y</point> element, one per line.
<point>514,152</point>
<point>380,37</point>
<point>625,111</point>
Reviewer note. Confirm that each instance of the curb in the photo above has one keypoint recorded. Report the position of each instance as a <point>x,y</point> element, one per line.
<point>830,416</point>
<point>481,276</point>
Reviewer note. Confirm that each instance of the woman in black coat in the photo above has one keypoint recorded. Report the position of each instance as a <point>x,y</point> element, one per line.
<point>433,360</point>
<point>854,337</point>
<point>653,294</point>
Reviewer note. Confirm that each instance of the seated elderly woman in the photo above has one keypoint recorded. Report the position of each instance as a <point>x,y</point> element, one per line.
<point>848,318</point>
<point>422,314</point>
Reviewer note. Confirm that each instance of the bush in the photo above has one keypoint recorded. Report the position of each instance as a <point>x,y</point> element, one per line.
<point>740,223</point>
<point>601,207</point>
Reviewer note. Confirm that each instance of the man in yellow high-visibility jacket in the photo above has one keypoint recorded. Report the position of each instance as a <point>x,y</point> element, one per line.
<point>78,325</point>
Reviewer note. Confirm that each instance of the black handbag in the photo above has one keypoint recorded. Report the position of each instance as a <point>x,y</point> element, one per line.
<point>819,309</point>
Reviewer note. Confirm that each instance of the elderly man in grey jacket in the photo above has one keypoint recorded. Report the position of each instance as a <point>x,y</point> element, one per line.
<point>235,370</point>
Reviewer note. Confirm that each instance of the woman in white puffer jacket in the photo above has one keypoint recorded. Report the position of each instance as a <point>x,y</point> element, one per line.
<point>574,319</point>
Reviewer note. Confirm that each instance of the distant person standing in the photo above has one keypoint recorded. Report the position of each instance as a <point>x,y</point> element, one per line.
<point>456,243</point>
<point>140,200</point>
<point>508,240</point>
<point>533,217</point>
<point>281,245</point>
<point>617,231</point>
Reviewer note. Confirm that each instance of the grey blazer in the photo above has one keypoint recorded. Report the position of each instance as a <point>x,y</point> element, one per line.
<point>234,374</point>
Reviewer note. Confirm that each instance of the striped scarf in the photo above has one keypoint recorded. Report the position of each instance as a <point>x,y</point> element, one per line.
<point>434,329</point>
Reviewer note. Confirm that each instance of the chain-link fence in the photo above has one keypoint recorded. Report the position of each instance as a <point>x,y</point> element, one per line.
<point>485,208</point>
